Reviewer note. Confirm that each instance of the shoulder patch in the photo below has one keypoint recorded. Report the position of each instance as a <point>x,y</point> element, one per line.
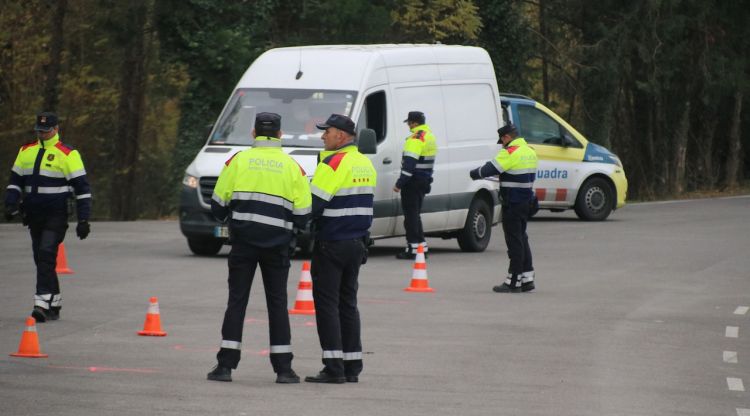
<point>419,135</point>
<point>334,160</point>
<point>30,144</point>
<point>64,148</point>
<point>230,159</point>
<point>511,149</point>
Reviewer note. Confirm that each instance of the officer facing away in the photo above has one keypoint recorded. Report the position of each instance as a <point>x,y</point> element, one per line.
<point>264,195</point>
<point>342,189</point>
<point>41,180</point>
<point>417,162</point>
<point>516,164</point>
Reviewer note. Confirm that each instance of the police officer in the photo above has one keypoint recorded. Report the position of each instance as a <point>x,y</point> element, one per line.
<point>417,162</point>
<point>342,189</point>
<point>516,164</point>
<point>41,180</point>
<point>264,195</point>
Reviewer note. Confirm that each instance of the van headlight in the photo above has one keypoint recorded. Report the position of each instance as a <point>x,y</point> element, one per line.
<point>190,181</point>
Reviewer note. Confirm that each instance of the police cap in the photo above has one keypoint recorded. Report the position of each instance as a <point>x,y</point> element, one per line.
<point>339,121</point>
<point>267,124</point>
<point>45,121</point>
<point>415,116</point>
<point>506,129</point>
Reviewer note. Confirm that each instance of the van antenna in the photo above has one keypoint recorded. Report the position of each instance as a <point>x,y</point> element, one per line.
<point>299,70</point>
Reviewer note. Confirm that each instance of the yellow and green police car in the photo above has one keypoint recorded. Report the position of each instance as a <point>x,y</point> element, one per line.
<point>573,173</point>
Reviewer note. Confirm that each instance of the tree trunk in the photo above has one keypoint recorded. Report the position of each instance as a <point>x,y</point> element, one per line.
<point>545,49</point>
<point>679,147</point>
<point>734,145</point>
<point>130,116</point>
<point>51,90</point>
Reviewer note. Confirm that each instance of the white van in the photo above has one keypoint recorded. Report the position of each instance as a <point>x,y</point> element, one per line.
<point>375,85</point>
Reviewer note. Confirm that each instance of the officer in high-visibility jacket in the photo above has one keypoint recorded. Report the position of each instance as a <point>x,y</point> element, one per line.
<point>417,162</point>
<point>516,164</point>
<point>343,190</point>
<point>41,180</point>
<point>264,195</point>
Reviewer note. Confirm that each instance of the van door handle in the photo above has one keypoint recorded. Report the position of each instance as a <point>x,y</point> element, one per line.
<point>387,161</point>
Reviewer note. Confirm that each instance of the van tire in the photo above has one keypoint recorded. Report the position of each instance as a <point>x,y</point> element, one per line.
<point>595,200</point>
<point>205,246</point>
<point>475,236</point>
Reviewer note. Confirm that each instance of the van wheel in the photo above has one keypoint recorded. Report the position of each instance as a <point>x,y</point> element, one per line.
<point>475,236</point>
<point>595,200</point>
<point>205,246</point>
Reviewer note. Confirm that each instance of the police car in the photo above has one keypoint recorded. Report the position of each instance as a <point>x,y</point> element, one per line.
<point>572,172</point>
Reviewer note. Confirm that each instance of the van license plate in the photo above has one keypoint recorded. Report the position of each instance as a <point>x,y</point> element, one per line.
<point>221,231</point>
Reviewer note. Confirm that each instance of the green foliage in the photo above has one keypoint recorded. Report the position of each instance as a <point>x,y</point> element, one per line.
<point>430,21</point>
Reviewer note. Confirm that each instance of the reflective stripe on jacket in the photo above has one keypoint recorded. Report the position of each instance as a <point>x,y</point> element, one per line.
<point>418,157</point>
<point>343,189</point>
<point>516,164</point>
<point>264,193</point>
<point>45,174</point>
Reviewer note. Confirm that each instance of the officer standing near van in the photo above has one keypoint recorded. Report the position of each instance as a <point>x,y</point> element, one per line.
<point>516,164</point>
<point>41,180</point>
<point>417,162</point>
<point>264,195</point>
<point>343,192</point>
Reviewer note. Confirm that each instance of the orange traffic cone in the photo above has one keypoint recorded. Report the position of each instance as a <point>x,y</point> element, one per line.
<point>152,325</point>
<point>62,261</point>
<point>29,346</point>
<point>419,281</point>
<point>304,304</point>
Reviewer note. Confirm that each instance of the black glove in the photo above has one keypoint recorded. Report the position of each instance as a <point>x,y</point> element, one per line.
<point>10,212</point>
<point>83,229</point>
<point>474,173</point>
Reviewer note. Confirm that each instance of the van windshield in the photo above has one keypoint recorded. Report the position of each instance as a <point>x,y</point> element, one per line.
<point>300,110</point>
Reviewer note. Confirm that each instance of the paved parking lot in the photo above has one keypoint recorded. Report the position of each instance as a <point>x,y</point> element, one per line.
<point>638,315</point>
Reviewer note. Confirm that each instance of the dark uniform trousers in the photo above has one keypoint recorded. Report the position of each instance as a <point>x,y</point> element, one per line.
<point>274,267</point>
<point>514,218</point>
<point>334,271</point>
<point>412,196</point>
<point>46,235</point>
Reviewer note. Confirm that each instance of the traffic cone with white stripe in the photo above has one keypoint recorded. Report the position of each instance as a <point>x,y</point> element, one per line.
<point>419,281</point>
<point>152,324</point>
<point>62,262</point>
<point>29,346</point>
<point>304,304</point>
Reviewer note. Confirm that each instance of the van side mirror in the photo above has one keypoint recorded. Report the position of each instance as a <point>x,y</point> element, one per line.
<point>367,142</point>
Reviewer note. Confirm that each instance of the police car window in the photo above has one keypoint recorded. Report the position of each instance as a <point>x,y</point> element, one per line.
<point>537,127</point>
<point>300,111</point>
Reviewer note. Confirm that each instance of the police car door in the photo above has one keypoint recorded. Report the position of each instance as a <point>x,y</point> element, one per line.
<point>559,153</point>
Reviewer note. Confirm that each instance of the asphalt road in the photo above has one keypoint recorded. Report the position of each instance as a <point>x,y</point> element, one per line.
<point>639,315</point>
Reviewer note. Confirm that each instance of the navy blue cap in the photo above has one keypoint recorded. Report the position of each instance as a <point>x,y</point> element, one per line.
<point>339,121</point>
<point>45,121</point>
<point>267,124</point>
<point>506,129</point>
<point>415,116</point>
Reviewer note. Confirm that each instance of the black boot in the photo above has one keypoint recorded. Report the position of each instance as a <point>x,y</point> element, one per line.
<point>39,313</point>
<point>323,377</point>
<point>220,373</point>
<point>527,281</point>
<point>511,285</point>
<point>287,377</point>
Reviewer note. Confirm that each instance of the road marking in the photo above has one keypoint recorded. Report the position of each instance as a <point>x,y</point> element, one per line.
<point>730,356</point>
<point>741,310</point>
<point>743,412</point>
<point>732,332</point>
<point>735,384</point>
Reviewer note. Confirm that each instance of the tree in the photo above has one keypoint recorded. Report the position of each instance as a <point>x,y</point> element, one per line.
<point>430,21</point>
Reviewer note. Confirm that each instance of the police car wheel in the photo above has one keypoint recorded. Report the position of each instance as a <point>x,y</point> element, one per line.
<point>475,236</point>
<point>595,200</point>
<point>205,246</point>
